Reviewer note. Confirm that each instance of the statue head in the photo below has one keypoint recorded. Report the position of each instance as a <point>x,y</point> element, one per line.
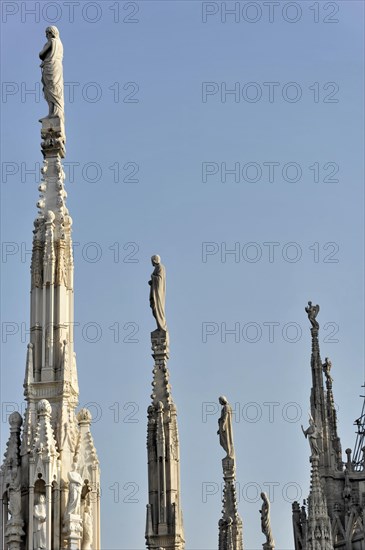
<point>223,400</point>
<point>155,259</point>
<point>42,499</point>
<point>52,32</point>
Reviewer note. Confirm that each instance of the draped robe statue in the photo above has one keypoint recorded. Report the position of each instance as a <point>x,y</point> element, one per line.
<point>312,433</point>
<point>158,293</point>
<point>265,521</point>
<point>39,524</point>
<point>52,73</point>
<point>74,493</point>
<point>87,532</point>
<point>225,430</point>
<point>312,312</point>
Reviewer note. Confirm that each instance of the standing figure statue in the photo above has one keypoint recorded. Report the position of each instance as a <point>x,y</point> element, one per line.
<point>158,292</point>
<point>312,312</point>
<point>225,430</point>
<point>87,530</point>
<point>15,505</point>
<point>39,524</point>
<point>312,434</point>
<point>74,493</point>
<point>52,73</point>
<point>265,522</point>
<point>327,365</point>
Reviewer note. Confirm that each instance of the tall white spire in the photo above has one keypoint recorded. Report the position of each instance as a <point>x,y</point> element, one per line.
<point>164,522</point>
<point>54,462</point>
<point>230,525</point>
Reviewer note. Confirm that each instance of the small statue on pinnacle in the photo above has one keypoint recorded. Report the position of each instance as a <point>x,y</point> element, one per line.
<point>312,433</point>
<point>158,293</point>
<point>312,312</point>
<point>225,430</point>
<point>265,523</point>
<point>52,73</point>
<point>327,365</point>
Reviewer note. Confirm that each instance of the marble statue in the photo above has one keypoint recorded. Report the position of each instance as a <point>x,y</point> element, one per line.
<point>225,430</point>
<point>265,521</point>
<point>327,365</point>
<point>158,292</point>
<point>14,502</point>
<point>52,73</point>
<point>312,434</point>
<point>312,312</point>
<point>87,530</point>
<point>39,524</point>
<point>74,493</point>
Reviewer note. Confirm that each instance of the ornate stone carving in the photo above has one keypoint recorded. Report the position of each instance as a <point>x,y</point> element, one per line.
<point>37,264</point>
<point>61,267</point>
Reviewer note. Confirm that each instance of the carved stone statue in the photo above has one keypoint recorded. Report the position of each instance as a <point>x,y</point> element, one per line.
<point>327,365</point>
<point>87,531</point>
<point>74,493</point>
<point>52,73</point>
<point>265,522</point>
<point>225,430</point>
<point>39,524</point>
<point>312,312</point>
<point>15,502</point>
<point>158,292</point>
<point>312,434</point>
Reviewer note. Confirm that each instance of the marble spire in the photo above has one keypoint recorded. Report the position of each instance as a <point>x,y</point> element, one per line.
<point>52,441</point>
<point>334,515</point>
<point>230,525</point>
<point>164,520</point>
<point>318,530</point>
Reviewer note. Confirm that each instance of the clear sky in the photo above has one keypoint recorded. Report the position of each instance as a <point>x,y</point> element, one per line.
<point>152,135</point>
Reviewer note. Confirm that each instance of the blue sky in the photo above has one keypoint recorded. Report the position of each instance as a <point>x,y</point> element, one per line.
<point>150,134</point>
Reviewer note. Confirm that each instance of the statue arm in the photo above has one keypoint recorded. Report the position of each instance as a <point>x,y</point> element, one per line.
<point>39,515</point>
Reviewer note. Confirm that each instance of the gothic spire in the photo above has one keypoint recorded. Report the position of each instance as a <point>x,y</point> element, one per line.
<point>319,534</point>
<point>164,522</point>
<point>230,525</point>
<point>56,462</point>
<point>323,410</point>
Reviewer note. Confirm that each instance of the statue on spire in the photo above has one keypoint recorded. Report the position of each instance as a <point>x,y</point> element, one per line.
<point>312,312</point>
<point>52,73</point>
<point>225,430</point>
<point>266,523</point>
<point>327,365</point>
<point>158,292</point>
<point>312,434</point>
